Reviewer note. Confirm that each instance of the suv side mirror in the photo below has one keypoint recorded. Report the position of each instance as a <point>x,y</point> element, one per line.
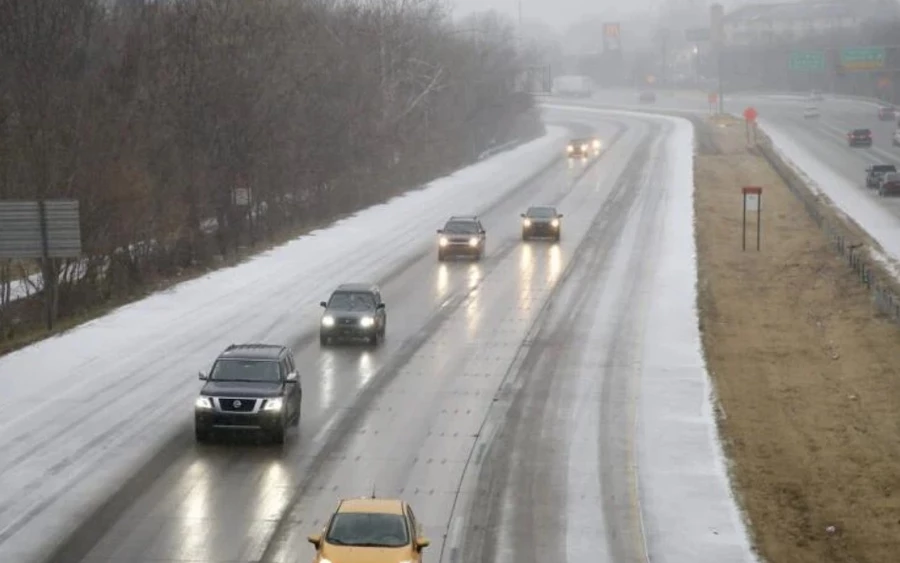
<point>315,539</point>
<point>323,304</point>
<point>440,231</point>
<point>522,215</point>
<point>203,376</point>
<point>559,215</point>
<point>422,543</point>
<point>291,377</point>
<point>379,306</point>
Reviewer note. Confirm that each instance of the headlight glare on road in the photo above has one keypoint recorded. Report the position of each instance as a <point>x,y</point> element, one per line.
<point>274,404</point>
<point>366,322</point>
<point>473,241</point>
<point>203,403</point>
<point>526,223</point>
<point>327,320</point>
<point>443,241</point>
<point>554,223</point>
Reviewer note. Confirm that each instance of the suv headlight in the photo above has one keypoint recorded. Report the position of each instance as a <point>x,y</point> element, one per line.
<point>526,223</point>
<point>570,148</point>
<point>327,320</point>
<point>366,322</point>
<point>584,147</point>
<point>555,222</point>
<point>203,403</point>
<point>596,144</point>
<point>274,404</point>
<point>473,241</point>
<point>443,241</point>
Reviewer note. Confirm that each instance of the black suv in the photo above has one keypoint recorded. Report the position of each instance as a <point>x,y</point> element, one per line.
<point>355,310</point>
<point>541,221</point>
<point>647,97</point>
<point>875,174</point>
<point>250,387</point>
<point>461,235</point>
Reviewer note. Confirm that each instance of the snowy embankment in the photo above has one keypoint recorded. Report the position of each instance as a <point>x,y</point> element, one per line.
<point>690,513</point>
<point>882,225</point>
<point>119,386</point>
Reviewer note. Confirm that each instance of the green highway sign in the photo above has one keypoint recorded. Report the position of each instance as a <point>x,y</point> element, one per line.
<point>808,60</point>
<point>863,58</point>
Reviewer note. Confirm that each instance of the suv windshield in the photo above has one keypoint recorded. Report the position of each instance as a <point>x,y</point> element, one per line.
<point>461,227</point>
<point>368,530</point>
<point>246,371</point>
<point>352,301</point>
<point>541,212</point>
<point>861,132</point>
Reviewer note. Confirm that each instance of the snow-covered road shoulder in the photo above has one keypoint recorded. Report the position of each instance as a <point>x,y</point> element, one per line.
<point>690,514</point>
<point>689,511</point>
<point>119,387</point>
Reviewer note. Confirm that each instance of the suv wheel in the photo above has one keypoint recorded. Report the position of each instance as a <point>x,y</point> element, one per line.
<point>524,235</point>
<point>323,340</point>
<point>296,421</point>
<point>201,435</point>
<point>440,256</point>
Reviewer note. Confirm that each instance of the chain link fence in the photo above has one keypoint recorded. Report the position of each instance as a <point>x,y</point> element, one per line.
<point>854,251</point>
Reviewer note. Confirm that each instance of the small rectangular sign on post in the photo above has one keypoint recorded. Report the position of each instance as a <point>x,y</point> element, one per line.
<point>752,199</point>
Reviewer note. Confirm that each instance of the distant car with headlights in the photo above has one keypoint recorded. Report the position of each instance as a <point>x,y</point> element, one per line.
<point>462,236</point>
<point>647,97</point>
<point>584,147</point>
<point>895,141</point>
<point>811,112</point>
<point>816,96</point>
<point>354,311</point>
<point>860,138</point>
<point>372,530</point>
<point>250,387</point>
<point>541,222</point>
<point>887,113</point>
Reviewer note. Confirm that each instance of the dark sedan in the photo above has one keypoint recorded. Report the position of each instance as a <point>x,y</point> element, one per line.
<point>860,138</point>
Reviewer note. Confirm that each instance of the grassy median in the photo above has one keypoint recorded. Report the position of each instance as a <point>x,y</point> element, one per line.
<point>807,374</point>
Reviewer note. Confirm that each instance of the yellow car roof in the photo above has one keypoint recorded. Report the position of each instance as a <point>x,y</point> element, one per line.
<point>372,505</point>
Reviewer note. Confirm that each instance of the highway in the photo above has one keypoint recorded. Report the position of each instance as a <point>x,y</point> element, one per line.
<point>501,405</point>
<point>825,137</point>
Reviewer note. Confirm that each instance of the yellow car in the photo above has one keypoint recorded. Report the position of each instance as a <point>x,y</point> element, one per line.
<point>370,530</point>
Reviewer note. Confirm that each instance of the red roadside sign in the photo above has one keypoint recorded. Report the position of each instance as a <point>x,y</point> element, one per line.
<point>713,97</point>
<point>750,114</point>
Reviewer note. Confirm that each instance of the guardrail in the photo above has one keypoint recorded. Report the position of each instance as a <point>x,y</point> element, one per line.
<point>844,242</point>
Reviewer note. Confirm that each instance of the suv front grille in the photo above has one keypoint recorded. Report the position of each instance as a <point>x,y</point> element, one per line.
<point>237,405</point>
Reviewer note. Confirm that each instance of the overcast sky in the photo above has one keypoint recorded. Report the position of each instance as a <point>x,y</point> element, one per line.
<point>556,13</point>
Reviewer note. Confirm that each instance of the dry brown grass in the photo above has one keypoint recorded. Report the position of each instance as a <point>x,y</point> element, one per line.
<point>806,373</point>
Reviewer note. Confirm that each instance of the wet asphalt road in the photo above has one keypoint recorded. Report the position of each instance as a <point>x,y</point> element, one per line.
<point>499,382</point>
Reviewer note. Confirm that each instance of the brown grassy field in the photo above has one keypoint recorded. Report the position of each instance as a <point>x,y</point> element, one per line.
<point>805,370</point>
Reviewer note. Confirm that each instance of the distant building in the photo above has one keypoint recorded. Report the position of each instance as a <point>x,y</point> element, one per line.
<point>759,24</point>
